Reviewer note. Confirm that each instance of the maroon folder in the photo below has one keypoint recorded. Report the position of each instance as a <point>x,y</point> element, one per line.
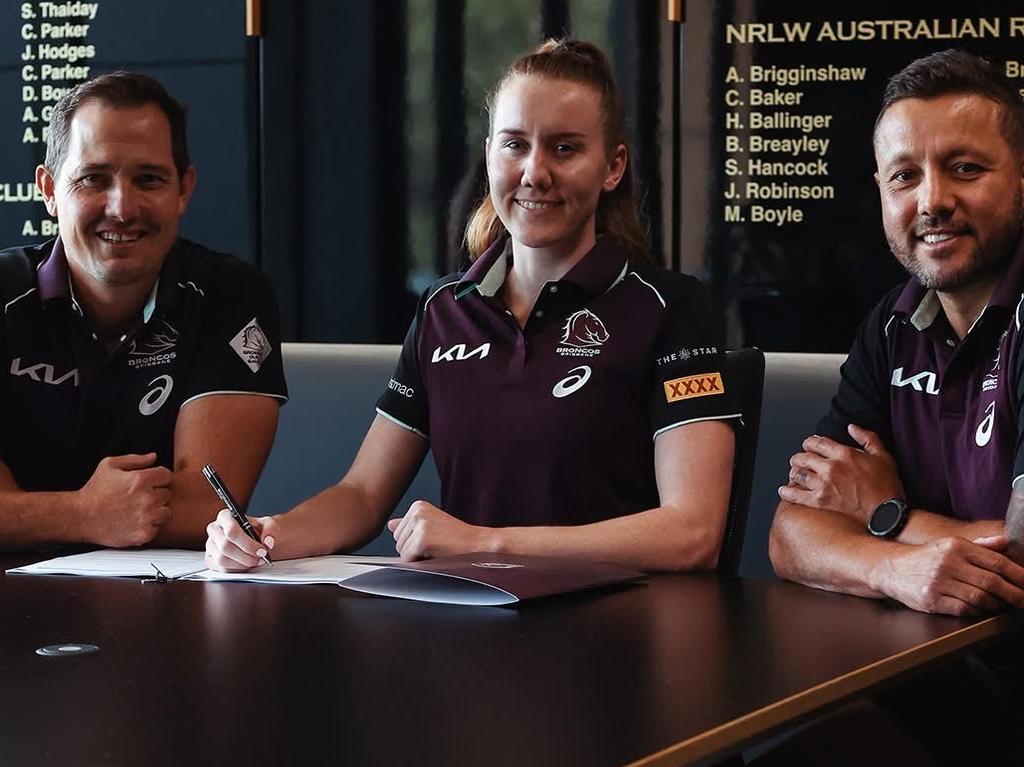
<point>488,579</point>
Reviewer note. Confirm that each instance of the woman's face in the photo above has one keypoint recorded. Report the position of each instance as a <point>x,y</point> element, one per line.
<point>547,163</point>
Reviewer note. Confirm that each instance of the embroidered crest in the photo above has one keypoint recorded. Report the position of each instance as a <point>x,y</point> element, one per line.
<point>251,345</point>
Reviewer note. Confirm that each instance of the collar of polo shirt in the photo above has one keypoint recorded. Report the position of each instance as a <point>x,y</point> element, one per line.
<point>922,304</point>
<point>603,267</point>
<point>54,281</point>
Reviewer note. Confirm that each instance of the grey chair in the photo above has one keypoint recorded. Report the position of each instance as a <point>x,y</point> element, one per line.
<point>333,390</point>
<point>797,391</point>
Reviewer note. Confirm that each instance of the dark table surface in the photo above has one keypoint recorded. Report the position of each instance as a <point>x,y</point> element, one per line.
<point>660,673</point>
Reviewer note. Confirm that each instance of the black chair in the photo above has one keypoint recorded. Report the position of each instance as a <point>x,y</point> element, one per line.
<point>744,375</point>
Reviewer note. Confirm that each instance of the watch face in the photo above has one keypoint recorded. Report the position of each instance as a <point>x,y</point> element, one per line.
<point>885,517</point>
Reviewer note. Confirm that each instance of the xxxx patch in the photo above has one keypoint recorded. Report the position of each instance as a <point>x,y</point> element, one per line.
<point>703,385</point>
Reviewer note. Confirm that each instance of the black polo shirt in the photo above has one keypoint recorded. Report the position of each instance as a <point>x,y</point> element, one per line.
<point>949,411</point>
<point>555,423</point>
<point>211,326</point>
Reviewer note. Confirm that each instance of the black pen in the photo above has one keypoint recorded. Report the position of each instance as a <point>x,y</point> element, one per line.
<point>236,511</point>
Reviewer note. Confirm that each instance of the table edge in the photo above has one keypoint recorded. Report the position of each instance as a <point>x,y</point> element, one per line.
<point>760,721</point>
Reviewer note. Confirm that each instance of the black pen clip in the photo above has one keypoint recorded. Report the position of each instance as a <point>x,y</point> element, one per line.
<point>158,578</point>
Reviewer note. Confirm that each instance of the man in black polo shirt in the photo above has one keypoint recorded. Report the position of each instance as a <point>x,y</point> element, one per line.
<point>906,489</point>
<point>129,357</point>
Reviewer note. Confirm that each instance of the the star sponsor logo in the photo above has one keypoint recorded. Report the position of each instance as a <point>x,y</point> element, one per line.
<point>582,335</point>
<point>685,354</point>
<point>156,348</point>
<point>251,345</point>
<point>689,387</point>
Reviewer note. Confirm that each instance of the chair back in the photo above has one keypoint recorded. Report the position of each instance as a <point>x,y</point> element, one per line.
<point>333,391</point>
<point>798,388</point>
<point>745,376</point>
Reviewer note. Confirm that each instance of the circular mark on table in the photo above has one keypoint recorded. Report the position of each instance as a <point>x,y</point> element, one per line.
<point>68,648</point>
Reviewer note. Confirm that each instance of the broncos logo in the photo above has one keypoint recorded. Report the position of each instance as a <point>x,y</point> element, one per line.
<point>162,338</point>
<point>253,340</point>
<point>583,329</point>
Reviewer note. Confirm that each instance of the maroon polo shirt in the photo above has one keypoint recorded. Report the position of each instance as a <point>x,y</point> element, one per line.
<point>555,423</point>
<point>66,402</point>
<point>948,410</point>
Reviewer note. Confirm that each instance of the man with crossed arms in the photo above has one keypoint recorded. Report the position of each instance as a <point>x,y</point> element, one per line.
<point>907,490</point>
<point>129,357</point>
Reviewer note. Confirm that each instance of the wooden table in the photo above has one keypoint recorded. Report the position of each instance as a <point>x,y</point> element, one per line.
<point>664,673</point>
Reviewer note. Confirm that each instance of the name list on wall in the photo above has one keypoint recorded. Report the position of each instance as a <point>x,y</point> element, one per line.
<point>786,227</point>
<point>779,142</point>
<point>56,55</point>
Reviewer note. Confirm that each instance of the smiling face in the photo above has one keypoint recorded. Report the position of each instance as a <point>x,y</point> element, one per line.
<point>548,163</point>
<point>952,190</point>
<point>117,196</point>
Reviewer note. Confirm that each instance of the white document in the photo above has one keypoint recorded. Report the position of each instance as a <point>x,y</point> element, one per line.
<point>466,579</point>
<point>120,563</point>
<point>385,581</point>
<point>174,563</point>
<point>328,569</point>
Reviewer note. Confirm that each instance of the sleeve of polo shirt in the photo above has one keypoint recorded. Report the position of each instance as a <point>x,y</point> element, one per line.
<point>1018,458</point>
<point>240,346</point>
<point>688,358</point>
<point>3,378</point>
<point>863,394</point>
<point>404,401</point>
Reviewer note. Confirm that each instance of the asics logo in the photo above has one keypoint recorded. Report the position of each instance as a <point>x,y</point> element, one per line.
<point>573,382</point>
<point>984,432</point>
<point>154,399</point>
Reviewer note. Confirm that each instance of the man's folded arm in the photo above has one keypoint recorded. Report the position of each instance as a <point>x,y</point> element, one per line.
<point>33,519</point>
<point>124,503</point>
<point>926,526</point>
<point>951,575</point>
<point>234,432</point>
<point>824,549</point>
<point>854,480</point>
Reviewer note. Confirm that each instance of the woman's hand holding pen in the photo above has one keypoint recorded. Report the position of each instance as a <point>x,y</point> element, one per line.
<point>229,549</point>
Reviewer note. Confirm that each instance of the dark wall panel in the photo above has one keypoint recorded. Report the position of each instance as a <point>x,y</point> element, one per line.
<point>196,49</point>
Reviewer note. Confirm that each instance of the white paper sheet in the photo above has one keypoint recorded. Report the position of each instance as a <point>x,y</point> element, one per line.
<point>120,563</point>
<point>327,569</point>
<point>443,580</point>
<point>176,563</point>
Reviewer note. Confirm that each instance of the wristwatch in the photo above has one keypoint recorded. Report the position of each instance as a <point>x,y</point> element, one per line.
<point>888,518</point>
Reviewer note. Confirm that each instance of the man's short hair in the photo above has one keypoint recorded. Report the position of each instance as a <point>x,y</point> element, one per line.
<point>116,89</point>
<point>956,71</point>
